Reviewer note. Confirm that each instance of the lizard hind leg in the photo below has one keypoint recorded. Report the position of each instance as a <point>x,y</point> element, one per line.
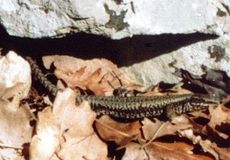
<point>170,111</point>
<point>174,110</point>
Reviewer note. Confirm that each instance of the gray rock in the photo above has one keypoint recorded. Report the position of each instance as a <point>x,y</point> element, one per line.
<point>125,18</point>
<point>213,54</point>
<point>114,19</point>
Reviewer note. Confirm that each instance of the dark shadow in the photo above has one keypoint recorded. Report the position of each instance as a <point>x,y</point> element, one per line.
<point>123,52</point>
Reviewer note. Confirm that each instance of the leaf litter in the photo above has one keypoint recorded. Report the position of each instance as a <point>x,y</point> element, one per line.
<point>15,117</point>
<point>65,130</point>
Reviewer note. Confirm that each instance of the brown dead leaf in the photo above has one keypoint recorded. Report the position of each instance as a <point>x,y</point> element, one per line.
<point>134,151</point>
<point>67,132</point>
<point>12,95</point>
<point>87,74</point>
<point>8,117</point>
<point>14,123</point>
<point>14,118</point>
<point>186,120</point>
<point>177,150</point>
<point>121,133</point>
<point>46,141</point>
<point>83,147</point>
<point>206,144</point>
<point>153,130</point>
<point>81,142</point>
<point>15,70</point>
<point>150,128</point>
<point>219,116</point>
<point>15,130</point>
<point>224,153</point>
<point>9,93</point>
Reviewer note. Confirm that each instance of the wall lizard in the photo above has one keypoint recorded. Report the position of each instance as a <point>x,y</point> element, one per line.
<point>134,107</point>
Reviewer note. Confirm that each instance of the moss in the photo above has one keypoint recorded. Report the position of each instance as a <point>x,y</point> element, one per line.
<point>116,21</point>
<point>118,1</point>
<point>216,52</point>
<point>220,13</point>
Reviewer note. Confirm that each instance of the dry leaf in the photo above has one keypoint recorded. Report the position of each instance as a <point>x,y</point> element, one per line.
<point>14,119</point>
<point>15,130</point>
<point>219,116</point>
<point>224,153</point>
<point>206,145</point>
<point>153,130</point>
<point>67,132</point>
<point>121,133</point>
<point>134,151</point>
<point>15,70</point>
<point>176,150</point>
<point>46,141</point>
<point>87,74</point>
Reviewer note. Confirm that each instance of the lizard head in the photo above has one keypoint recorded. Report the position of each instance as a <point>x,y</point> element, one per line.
<point>200,101</point>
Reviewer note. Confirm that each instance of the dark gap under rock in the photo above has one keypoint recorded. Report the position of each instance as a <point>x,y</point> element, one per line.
<point>124,52</point>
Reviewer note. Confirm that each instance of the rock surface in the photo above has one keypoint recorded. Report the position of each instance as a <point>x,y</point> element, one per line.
<point>115,19</point>
<point>211,53</point>
<point>148,61</point>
